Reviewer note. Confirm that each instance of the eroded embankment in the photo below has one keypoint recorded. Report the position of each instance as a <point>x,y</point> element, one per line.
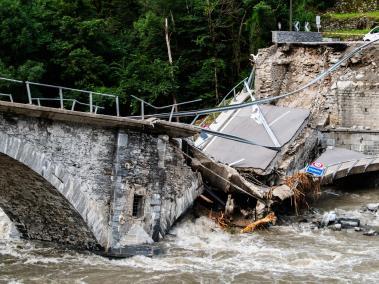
<point>345,99</point>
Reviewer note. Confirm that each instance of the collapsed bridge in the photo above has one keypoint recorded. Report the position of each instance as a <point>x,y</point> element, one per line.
<point>115,184</point>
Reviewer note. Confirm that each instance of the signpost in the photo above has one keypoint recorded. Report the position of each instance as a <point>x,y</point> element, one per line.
<point>316,168</point>
<point>318,23</point>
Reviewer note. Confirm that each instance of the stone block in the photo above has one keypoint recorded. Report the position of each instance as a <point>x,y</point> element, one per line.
<point>295,37</point>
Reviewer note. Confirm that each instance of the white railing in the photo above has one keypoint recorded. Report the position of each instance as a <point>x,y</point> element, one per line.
<point>241,86</point>
<point>173,106</point>
<point>9,96</point>
<point>93,108</point>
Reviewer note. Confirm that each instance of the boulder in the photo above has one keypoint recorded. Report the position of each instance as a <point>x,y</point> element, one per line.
<point>348,222</point>
<point>328,218</point>
<point>370,233</point>
<point>373,206</point>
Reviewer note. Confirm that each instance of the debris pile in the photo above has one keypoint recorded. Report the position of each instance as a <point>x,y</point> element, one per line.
<point>304,188</point>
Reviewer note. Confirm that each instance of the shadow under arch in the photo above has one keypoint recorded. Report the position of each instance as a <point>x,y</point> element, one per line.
<point>44,202</point>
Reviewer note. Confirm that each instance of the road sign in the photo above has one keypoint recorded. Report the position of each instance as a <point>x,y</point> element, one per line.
<point>316,168</point>
<point>318,165</point>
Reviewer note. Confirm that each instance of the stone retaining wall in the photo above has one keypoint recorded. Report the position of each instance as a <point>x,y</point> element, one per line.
<point>366,142</point>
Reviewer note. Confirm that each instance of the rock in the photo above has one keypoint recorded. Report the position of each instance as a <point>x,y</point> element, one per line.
<point>357,229</point>
<point>343,85</point>
<point>328,218</point>
<point>337,227</point>
<point>373,207</point>
<point>370,233</point>
<point>348,222</point>
<point>360,76</point>
<point>354,60</point>
<point>282,192</point>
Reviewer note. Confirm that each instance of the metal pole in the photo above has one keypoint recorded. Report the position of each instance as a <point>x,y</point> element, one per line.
<point>29,93</point>
<point>73,105</point>
<point>194,120</point>
<point>90,102</point>
<point>117,106</point>
<point>142,110</point>
<point>61,97</point>
<point>234,93</point>
<point>172,111</point>
<point>290,15</point>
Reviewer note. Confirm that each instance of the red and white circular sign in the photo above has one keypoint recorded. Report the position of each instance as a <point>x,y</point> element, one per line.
<point>318,165</point>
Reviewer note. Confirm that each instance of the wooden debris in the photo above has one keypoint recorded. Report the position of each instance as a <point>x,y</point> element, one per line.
<point>304,187</point>
<point>220,219</point>
<point>206,199</point>
<point>270,218</point>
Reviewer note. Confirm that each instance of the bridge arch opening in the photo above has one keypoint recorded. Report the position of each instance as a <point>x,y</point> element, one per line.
<point>358,181</point>
<point>38,209</point>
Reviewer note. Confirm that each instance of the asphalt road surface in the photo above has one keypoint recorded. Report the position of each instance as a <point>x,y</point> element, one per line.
<point>284,123</point>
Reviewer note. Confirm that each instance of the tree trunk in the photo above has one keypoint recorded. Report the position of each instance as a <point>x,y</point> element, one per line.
<point>174,101</point>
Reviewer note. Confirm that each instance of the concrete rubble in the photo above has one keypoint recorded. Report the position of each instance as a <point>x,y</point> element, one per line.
<point>343,113</point>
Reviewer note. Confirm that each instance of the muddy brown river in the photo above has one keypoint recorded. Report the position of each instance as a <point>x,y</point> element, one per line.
<point>199,252</point>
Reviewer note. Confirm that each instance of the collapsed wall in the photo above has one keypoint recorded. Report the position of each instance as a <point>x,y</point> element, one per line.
<point>346,101</point>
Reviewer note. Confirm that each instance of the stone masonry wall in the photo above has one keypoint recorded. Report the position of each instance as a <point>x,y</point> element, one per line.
<point>358,108</point>
<point>366,142</point>
<point>76,183</point>
<point>282,69</point>
<point>72,162</point>
<point>154,168</point>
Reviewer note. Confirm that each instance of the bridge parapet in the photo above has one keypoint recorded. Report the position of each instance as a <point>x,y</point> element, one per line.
<point>347,167</point>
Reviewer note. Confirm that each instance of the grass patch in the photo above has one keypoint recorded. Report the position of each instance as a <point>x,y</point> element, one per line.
<point>347,32</point>
<point>346,16</point>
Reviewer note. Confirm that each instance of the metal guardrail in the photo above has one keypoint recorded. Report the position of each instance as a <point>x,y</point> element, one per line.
<point>227,96</point>
<point>73,101</point>
<point>8,96</point>
<point>93,108</point>
<point>372,158</point>
<point>172,106</point>
<point>322,75</point>
<point>339,165</point>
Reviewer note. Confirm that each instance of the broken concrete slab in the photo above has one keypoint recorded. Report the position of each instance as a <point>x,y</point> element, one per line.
<point>284,123</point>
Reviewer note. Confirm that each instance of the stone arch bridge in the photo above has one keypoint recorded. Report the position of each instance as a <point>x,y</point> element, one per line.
<point>92,181</point>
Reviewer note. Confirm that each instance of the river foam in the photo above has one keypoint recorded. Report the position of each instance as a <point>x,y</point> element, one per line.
<point>198,251</point>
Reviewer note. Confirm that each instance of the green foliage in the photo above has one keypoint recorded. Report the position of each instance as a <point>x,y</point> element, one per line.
<point>347,16</point>
<point>260,25</point>
<point>119,46</point>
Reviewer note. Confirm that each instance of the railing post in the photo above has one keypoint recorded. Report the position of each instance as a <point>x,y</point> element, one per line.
<point>39,102</point>
<point>29,93</point>
<point>61,97</point>
<point>234,93</point>
<point>172,111</point>
<point>194,120</point>
<point>142,110</point>
<point>73,104</point>
<point>96,107</point>
<point>249,81</point>
<point>117,106</point>
<point>90,102</point>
